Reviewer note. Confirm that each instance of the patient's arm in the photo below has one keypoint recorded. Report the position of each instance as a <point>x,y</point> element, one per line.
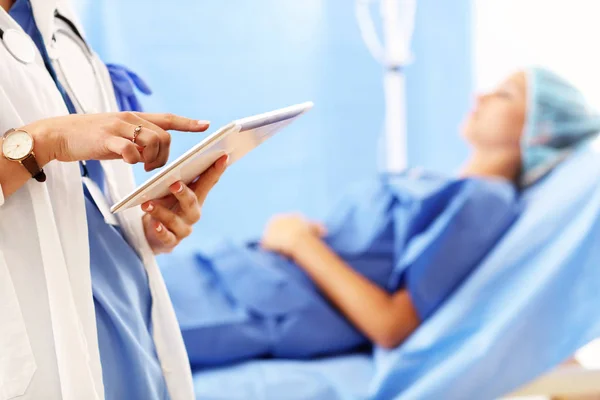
<point>385,319</point>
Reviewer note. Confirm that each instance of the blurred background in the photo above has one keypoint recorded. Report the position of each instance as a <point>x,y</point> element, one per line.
<point>222,60</point>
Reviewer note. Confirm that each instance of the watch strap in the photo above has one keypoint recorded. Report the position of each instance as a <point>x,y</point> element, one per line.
<point>30,163</point>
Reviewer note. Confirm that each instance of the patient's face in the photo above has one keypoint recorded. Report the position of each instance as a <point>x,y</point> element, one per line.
<point>497,120</point>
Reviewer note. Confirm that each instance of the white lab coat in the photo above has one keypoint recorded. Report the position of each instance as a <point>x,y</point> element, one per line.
<point>48,338</point>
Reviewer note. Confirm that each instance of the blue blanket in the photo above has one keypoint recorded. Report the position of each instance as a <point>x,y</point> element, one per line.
<point>422,233</point>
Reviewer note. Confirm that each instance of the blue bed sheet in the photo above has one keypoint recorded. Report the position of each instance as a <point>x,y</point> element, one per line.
<point>336,378</point>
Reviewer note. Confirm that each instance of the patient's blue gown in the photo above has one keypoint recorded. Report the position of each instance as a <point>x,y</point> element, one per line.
<point>423,233</point>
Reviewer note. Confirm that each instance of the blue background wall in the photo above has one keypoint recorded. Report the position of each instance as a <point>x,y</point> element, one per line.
<point>221,60</point>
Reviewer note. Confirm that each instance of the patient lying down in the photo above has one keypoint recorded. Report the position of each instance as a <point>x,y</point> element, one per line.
<point>389,255</point>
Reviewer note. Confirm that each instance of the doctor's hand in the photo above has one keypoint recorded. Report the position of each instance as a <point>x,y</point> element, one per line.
<point>285,232</point>
<point>169,220</point>
<point>133,137</point>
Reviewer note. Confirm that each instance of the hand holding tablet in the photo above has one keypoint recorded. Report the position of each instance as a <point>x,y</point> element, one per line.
<point>235,139</point>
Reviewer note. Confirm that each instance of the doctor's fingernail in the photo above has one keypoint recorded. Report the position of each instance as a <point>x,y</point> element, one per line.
<point>159,228</point>
<point>203,123</point>
<point>149,207</point>
<point>176,187</point>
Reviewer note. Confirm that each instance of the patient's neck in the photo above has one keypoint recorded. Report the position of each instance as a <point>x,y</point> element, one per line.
<point>492,164</point>
<point>6,4</point>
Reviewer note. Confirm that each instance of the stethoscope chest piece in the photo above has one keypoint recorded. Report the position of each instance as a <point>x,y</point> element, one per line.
<point>19,45</point>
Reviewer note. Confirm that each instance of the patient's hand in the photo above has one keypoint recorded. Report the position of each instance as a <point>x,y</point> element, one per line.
<point>284,232</point>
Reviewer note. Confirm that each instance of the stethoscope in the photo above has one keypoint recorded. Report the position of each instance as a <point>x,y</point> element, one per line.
<point>18,44</point>
<point>22,48</point>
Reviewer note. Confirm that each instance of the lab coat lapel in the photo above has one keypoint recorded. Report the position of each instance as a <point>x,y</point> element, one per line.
<point>167,336</point>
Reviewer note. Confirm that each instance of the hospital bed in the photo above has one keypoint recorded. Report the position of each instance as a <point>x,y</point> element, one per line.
<point>348,377</point>
<point>529,306</point>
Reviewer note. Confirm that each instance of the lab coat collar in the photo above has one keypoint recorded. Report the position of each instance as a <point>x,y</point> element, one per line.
<point>43,12</point>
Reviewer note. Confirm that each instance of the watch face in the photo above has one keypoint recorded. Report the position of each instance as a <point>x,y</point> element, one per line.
<point>17,145</point>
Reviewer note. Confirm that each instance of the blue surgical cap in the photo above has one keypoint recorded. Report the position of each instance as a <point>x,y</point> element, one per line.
<point>558,120</point>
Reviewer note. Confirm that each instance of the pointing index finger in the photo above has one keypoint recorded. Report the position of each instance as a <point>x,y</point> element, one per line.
<point>175,122</point>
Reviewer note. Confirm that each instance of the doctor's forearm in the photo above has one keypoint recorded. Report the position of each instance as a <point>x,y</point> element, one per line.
<point>104,136</point>
<point>385,319</point>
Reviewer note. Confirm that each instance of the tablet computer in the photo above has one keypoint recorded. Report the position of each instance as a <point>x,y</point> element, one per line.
<point>235,139</point>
